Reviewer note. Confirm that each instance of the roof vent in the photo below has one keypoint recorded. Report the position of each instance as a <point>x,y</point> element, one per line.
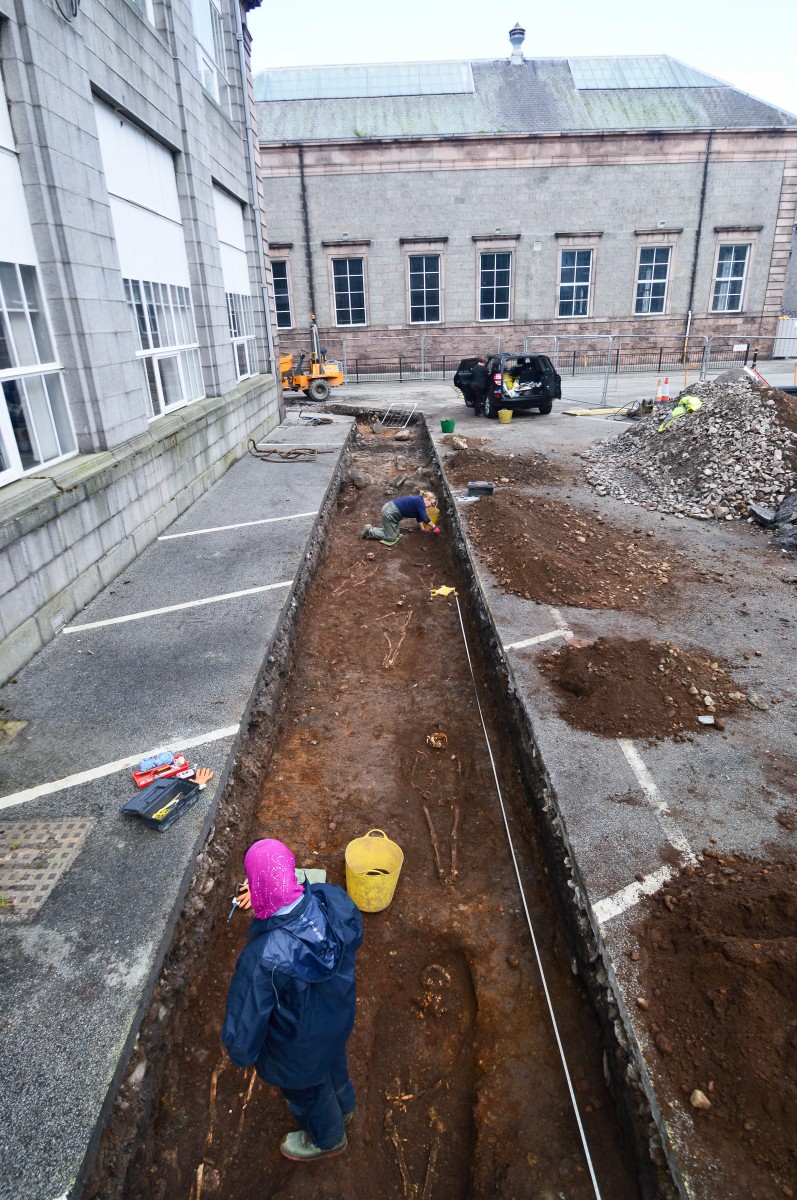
<point>517,36</point>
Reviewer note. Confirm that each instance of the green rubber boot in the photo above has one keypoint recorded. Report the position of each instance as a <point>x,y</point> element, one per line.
<point>298,1147</point>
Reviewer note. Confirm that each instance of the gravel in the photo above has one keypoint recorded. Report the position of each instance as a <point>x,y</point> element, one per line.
<point>740,448</point>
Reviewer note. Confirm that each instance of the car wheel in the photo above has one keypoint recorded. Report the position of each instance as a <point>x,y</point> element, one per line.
<point>546,407</point>
<point>489,408</point>
<point>318,389</point>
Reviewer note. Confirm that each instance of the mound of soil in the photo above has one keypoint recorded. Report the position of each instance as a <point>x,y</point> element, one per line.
<point>718,979</point>
<point>454,439</point>
<point>553,553</point>
<point>740,447</point>
<point>639,689</point>
<point>467,465</point>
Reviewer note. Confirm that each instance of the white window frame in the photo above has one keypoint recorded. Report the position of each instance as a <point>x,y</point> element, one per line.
<point>576,249</point>
<point>356,255</point>
<point>283,261</point>
<point>47,374</point>
<point>495,248</point>
<point>208,16</point>
<point>243,335</point>
<point>145,9</point>
<point>420,251</point>
<point>638,281</point>
<point>747,241</point>
<point>154,358</point>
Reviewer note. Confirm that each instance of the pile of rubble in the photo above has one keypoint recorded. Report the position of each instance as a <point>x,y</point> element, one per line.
<point>738,450</point>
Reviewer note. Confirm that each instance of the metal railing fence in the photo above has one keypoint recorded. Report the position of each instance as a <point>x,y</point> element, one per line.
<point>573,355</point>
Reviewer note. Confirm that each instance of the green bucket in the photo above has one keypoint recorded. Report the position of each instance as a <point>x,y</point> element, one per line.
<point>447,426</point>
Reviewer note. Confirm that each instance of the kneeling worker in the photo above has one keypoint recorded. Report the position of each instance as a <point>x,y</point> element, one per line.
<point>398,510</point>
<point>290,1007</point>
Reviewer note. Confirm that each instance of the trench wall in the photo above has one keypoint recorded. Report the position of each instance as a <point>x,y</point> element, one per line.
<point>126,1117</point>
<point>625,1067</point>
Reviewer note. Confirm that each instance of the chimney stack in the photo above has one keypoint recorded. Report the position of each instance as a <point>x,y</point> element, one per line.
<point>517,37</point>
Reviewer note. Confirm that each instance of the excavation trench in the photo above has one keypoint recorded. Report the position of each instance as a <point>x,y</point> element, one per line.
<point>460,1088</point>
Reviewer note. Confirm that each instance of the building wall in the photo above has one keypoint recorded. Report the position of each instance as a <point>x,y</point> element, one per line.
<point>532,190</point>
<point>66,536</point>
<point>58,547</point>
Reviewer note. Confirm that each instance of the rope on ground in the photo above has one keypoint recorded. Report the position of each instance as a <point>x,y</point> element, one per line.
<point>516,865</point>
<point>294,454</point>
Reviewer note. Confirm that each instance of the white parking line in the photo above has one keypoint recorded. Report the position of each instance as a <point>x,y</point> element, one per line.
<point>534,641</point>
<point>562,630</point>
<point>60,785</point>
<point>156,612</point>
<point>627,897</point>
<point>170,537</point>
<point>645,780</point>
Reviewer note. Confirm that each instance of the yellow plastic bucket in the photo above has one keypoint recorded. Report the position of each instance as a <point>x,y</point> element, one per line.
<point>373,865</point>
<point>504,416</point>
<point>433,514</point>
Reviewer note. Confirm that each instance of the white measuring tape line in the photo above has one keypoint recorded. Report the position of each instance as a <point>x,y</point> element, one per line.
<point>528,917</point>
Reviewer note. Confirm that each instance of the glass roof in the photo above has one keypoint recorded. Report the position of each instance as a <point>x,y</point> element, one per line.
<point>380,79</point>
<point>647,72</point>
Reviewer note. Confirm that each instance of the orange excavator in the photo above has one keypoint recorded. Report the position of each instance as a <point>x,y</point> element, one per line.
<point>314,374</point>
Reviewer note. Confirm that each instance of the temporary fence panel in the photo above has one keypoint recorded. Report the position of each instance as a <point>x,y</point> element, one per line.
<point>786,338</point>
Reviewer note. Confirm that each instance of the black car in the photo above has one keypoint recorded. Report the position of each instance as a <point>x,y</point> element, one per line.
<point>516,381</point>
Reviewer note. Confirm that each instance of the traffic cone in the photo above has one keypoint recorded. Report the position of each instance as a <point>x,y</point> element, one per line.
<point>658,391</point>
<point>665,391</point>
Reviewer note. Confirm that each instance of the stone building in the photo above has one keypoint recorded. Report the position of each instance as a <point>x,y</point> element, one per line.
<point>135,338</point>
<point>467,201</point>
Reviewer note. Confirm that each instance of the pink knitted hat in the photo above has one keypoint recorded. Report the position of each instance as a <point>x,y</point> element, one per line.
<point>270,870</point>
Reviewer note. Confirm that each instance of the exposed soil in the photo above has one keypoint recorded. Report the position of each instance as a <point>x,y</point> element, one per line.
<point>550,552</point>
<point>527,468</point>
<point>448,439</point>
<point>639,689</point>
<point>718,975</point>
<point>460,1089</point>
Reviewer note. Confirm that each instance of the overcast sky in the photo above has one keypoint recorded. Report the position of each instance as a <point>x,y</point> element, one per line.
<point>752,47</point>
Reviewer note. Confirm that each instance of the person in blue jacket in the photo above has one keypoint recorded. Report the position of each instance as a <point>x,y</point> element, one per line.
<point>395,511</point>
<point>291,1002</point>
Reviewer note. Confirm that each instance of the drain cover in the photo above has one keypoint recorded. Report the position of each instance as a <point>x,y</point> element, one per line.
<point>33,857</point>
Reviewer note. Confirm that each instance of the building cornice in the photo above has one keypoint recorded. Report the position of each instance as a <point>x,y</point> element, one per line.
<point>535,135</point>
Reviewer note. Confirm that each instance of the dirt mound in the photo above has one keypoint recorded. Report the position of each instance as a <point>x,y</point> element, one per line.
<point>467,465</point>
<point>553,553</point>
<point>453,439</point>
<point>718,980</point>
<point>639,689</point>
<point>739,448</point>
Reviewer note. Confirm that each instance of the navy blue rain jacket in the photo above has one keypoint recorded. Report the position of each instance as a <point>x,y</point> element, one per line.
<point>290,1007</point>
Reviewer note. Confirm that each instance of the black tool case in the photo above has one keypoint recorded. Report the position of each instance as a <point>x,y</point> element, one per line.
<point>174,795</point>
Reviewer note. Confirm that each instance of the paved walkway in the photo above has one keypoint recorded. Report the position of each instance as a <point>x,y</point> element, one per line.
<point>167,656</point>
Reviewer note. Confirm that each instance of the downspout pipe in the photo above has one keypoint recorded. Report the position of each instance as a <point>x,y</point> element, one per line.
<point>308,245</point>
<point>255,196</point>
<point>698,235</point>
